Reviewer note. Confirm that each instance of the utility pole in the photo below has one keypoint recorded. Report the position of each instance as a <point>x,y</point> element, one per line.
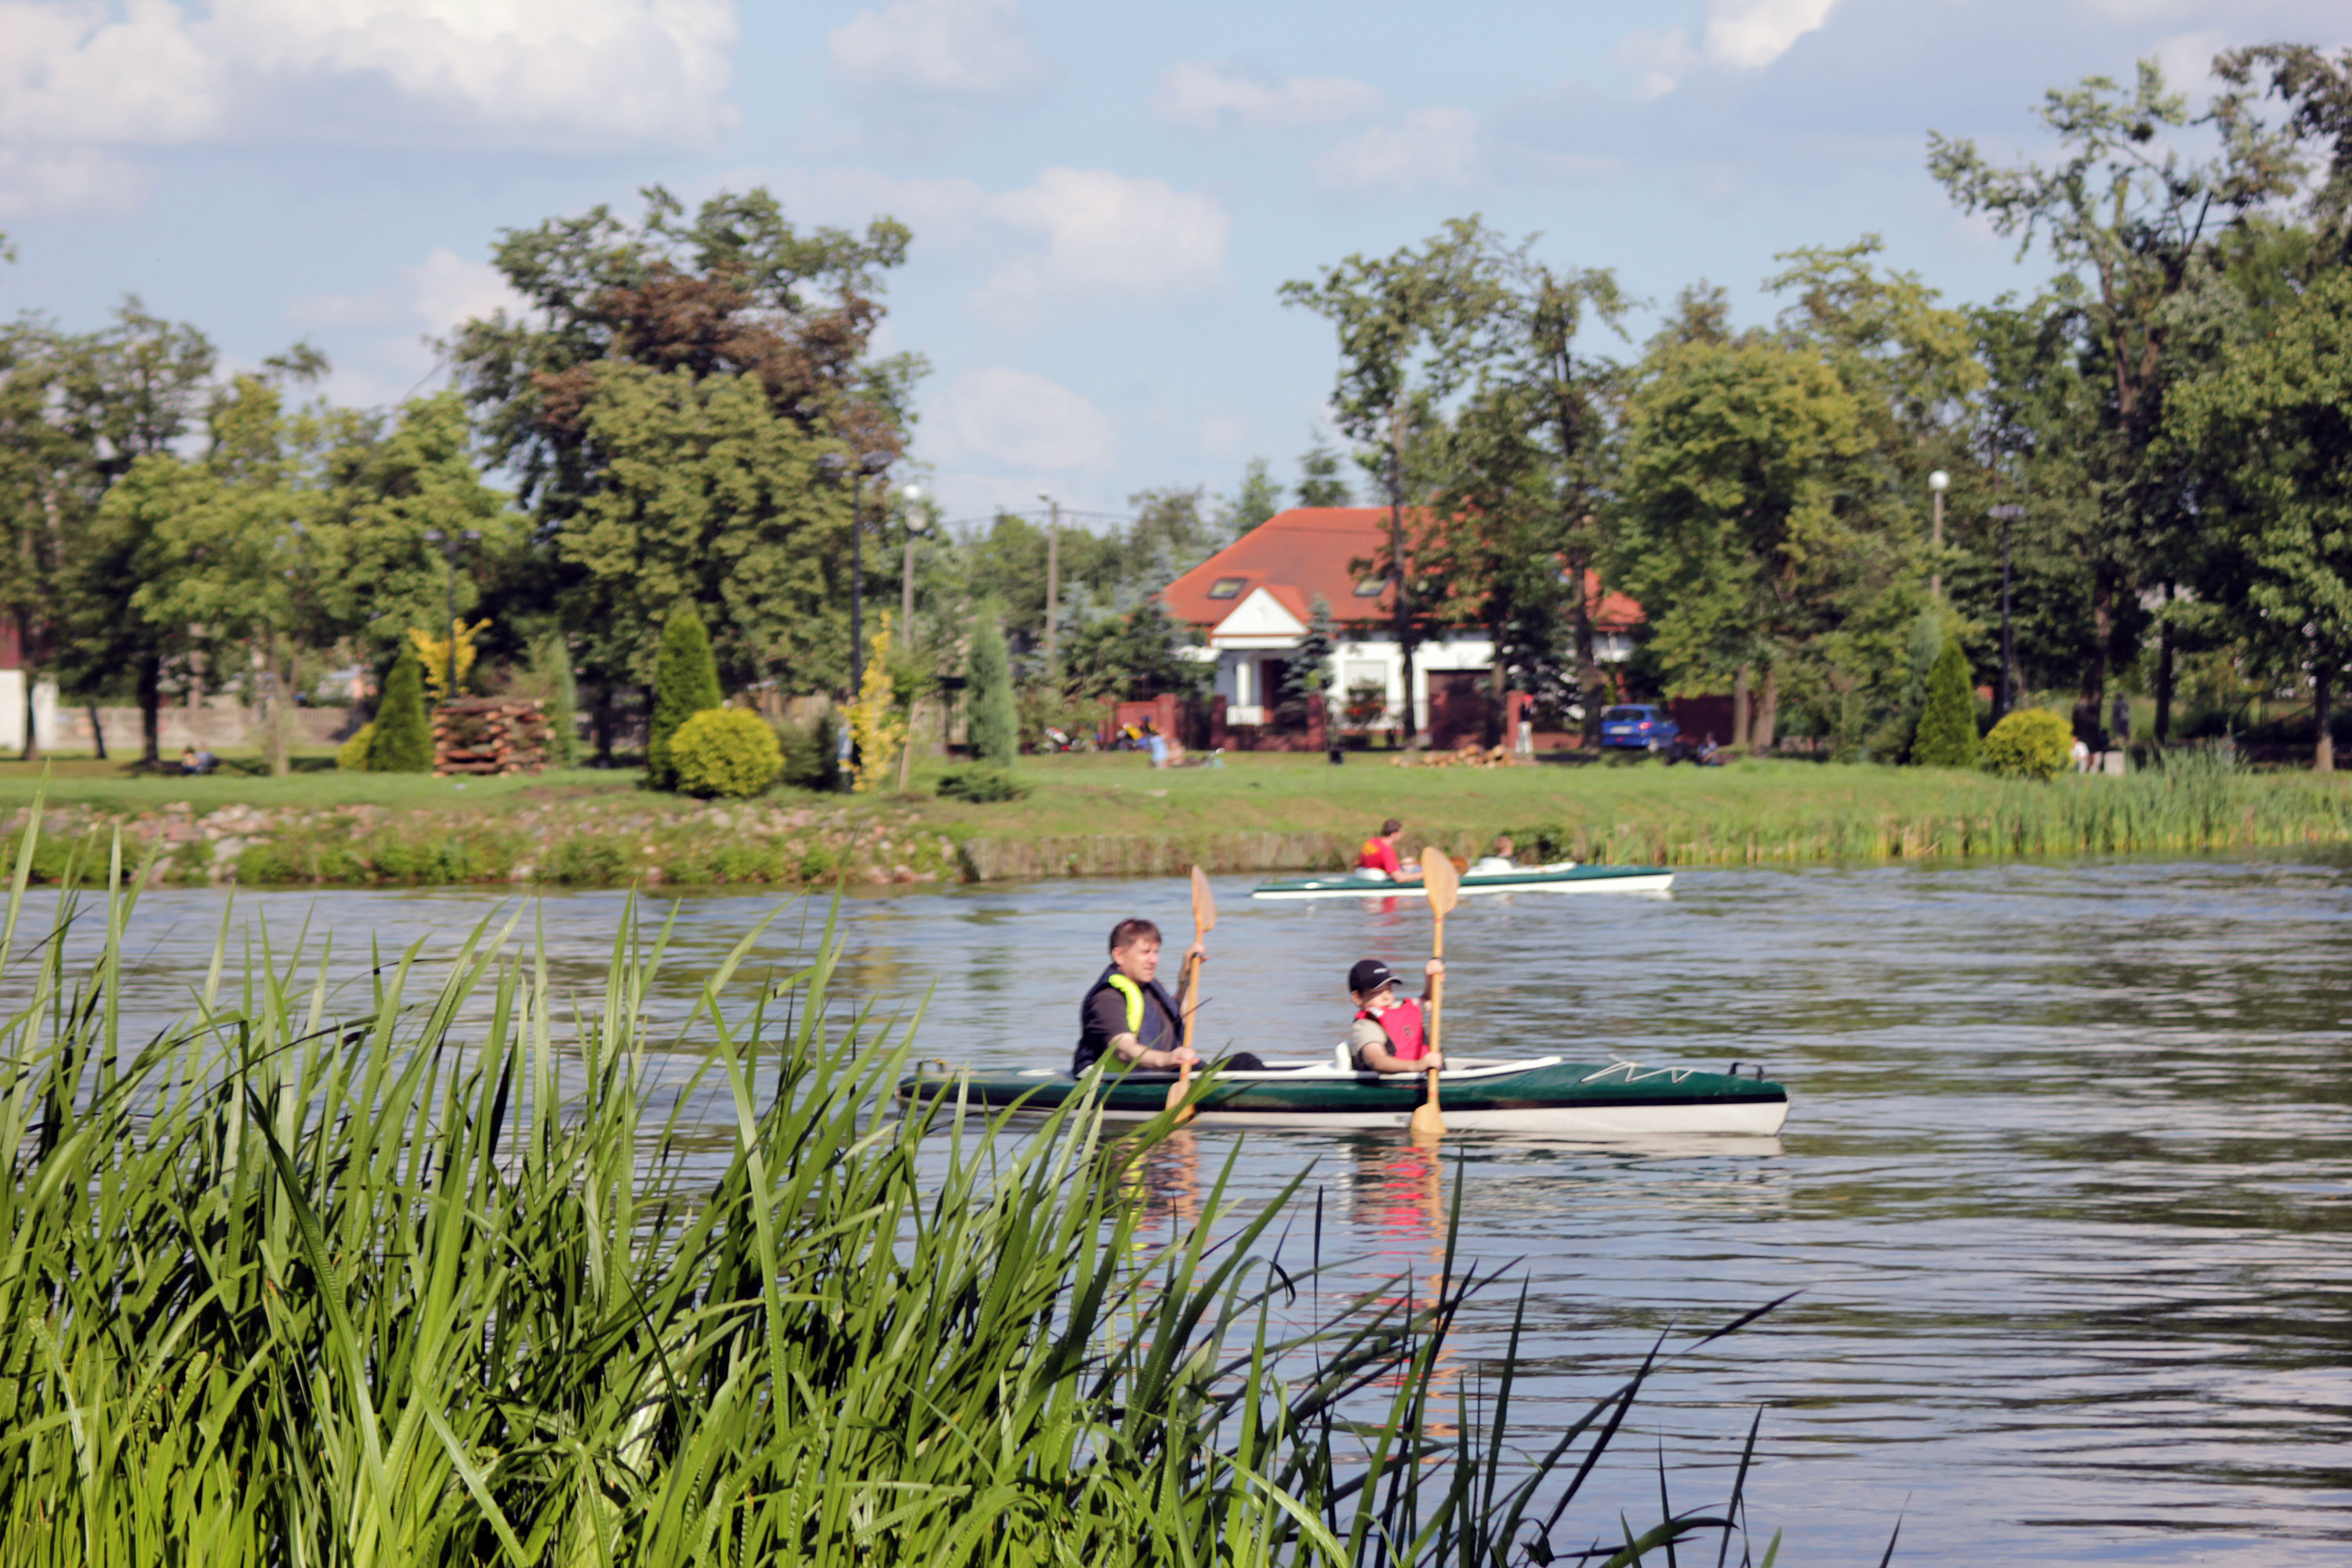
<point>1053,575</point>
<point>1396,559</point>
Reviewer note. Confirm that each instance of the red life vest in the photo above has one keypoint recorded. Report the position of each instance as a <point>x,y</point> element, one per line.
<point>1402,1024</point>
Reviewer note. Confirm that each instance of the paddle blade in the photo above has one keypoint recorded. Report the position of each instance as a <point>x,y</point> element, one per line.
<point>1426,1121</point>
<point>1445,883</point>
<point>1176,1092</point>
<point>1204,904</point>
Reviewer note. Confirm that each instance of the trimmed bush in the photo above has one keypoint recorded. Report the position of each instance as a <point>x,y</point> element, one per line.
<point>994,725</point>
<point>2030,743</point>
<point>686,682</point>
<point>351,756</point>
<point>402,737</point>
<point>1947,736</point>
<point>724,751</point>
<point>981,784</point>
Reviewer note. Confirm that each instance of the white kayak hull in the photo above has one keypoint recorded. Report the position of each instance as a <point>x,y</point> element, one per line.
<point>1567,876</point>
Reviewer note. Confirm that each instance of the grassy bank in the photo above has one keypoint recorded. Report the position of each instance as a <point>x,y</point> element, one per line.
<point>321,1279</point>
<point>1110,816</point>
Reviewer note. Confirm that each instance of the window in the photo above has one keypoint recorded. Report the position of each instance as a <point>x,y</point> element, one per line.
<point>1226,588</point>
<point>1369,588</point>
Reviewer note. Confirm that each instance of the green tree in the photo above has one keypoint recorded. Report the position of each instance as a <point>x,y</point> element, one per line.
<point>2272,430</point>
<point>1733,536</point>
<point>551,666</point>
<point>402,742</point>
<point>237,544</point>
<point>1947,736</point>
<point>1307,674</point>
<point>387,489</point>
<point>1322,478</point>
<point>686,682</point>
<point>1257,498</point>
<point>2132,218</point>
<point>994,725</point>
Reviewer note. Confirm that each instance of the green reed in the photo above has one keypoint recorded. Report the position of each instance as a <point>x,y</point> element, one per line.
<point>431,1276</point>
<point>2190,804</point>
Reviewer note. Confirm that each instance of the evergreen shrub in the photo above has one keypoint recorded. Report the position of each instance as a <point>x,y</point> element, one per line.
<point>351,756</point>
<point>724,752</point>
<point>981,784</point>
<point>812,752</point>
<point>686,682</point>
<point>2030,743</point>
<point>402,737</point>
<point>996,722</point>
<point>1947,736</point>
<point>552,659</point>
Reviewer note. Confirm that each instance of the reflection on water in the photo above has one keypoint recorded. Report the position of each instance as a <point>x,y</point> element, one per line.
<point>2065,1186</point>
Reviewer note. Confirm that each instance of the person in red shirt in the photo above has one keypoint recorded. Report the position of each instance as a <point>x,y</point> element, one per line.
<point>1378,853</point>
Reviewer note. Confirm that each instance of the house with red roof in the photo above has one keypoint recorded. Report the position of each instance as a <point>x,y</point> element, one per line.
<point>1251,601</point>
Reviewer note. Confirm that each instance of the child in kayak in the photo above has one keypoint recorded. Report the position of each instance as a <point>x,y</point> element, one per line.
<point>1377,860</point>
<point>1390,1032</point>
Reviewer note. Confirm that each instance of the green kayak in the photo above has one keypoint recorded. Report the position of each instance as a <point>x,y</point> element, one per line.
<point>1540,1094</point>
<point>1567,876</point>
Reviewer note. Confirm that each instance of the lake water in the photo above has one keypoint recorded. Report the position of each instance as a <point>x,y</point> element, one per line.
<point>2066,1184</point>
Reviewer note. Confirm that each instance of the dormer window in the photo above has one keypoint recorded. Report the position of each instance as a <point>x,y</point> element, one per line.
<point>1369,588</point>
<point>1226,588</point>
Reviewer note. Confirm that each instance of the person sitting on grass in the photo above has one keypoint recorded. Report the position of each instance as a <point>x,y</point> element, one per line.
<point>1390,1032</point>
<point>1127,1013</point>
<point>1497,862</point>
<point>1378,856</point>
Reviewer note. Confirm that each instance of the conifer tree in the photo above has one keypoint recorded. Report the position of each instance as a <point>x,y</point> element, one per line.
<point>553,658</point>
<point>1947,737</point>
<point>686,682</point>
<point>402,742</point>
<point>995,726</point>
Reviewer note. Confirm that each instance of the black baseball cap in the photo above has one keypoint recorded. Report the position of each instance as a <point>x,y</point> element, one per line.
<point>1369,975</point>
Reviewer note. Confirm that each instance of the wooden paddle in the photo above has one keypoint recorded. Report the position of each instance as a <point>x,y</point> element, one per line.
<point>1444,886</point>
<point>1204,920</point>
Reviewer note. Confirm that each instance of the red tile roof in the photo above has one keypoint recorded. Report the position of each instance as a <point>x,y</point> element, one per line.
<point>1327,550</point>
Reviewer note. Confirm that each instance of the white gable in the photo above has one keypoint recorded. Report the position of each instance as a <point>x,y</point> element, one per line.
<point>1258,621</point>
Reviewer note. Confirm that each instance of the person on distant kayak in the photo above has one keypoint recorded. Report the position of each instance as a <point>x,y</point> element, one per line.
<point>1497,861</point>
<point>1379,854</point>
<point>1390,1032</point>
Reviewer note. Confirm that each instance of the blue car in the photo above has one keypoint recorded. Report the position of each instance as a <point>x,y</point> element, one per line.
<point>1638,726</point>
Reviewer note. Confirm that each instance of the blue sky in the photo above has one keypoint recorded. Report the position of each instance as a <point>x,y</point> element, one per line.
<point>1104,198</point>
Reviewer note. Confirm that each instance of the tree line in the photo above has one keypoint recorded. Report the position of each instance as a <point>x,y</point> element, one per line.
<point>686,413</point>
<point>2149,455</point>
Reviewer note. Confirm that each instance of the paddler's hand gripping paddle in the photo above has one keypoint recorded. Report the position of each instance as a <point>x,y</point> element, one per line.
<point>1204,920</point>
<point>1438,875</point>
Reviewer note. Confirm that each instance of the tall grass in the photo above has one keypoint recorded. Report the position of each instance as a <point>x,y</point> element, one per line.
<point>443,1276</point>
<point>2191,803</point>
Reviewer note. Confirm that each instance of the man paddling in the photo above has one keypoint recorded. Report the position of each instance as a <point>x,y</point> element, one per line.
<point>1129,1015</point>
<point>1128,1012</point>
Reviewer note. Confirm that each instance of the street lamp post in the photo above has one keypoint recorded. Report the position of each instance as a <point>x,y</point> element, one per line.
<point>834,464</point>
<point>449,543</point>
<point>1939,481</point>
<point>2007,514</point>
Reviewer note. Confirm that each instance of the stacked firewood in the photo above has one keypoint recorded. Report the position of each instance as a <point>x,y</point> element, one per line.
<point>1469,755</point>
<point>489,735</point>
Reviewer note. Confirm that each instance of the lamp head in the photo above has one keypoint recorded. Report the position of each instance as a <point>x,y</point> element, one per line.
<point>1939,481</point>
<point>874,462</point>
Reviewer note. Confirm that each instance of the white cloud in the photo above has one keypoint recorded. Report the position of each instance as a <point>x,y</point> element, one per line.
<point>1211,98</point>
<point>1016,418</point>
<point>1429,147</point>
<point>969,51</point>
<point>2188,60</point>
<point>77,75</point>
<point>1749,35</point>
<point>1108,234</point>
<point>443,291</point>
<point>35,181</point>
<point>1744,34</point>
